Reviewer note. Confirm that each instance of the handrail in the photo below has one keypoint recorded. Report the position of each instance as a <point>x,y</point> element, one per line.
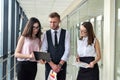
<point>4,59</point>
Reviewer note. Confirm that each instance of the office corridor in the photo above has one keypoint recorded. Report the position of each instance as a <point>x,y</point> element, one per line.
<point>103,14</point>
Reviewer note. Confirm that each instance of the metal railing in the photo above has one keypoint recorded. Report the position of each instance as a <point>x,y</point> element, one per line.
<point>7,67</point>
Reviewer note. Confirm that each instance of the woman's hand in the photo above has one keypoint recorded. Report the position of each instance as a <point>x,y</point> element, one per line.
<point>77,59</point>
<point>91,64</point>
<point>31,56</point>
<point>41,61</point>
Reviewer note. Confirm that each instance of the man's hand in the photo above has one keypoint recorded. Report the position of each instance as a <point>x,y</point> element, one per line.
<point>54,67</point>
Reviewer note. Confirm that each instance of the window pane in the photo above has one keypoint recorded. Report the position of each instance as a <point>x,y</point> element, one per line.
<point>9,27</point>
<point>1,36</point>
<point>117,59</point>
<point>1,27</point>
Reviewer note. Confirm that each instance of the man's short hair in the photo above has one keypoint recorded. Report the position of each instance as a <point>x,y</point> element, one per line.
<point>54,14</point>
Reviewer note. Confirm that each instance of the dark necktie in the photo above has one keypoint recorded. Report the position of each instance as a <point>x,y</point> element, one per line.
<point>56,41</point>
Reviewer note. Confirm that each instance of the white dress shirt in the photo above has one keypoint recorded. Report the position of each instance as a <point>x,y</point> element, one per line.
<point>44,46</point>
<point>85,50</point>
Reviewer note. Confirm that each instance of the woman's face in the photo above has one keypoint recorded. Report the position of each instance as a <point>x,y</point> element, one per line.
<point>83,31</point>
<point>35,28</point>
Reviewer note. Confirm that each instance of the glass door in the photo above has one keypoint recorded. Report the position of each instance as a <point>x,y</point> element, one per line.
<point>117,41</point>
<point>99,35</point>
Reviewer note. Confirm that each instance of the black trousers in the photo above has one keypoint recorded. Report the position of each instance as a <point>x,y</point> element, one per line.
<point>88,73</point>
<point>60,76</point>
<point>26,70</point>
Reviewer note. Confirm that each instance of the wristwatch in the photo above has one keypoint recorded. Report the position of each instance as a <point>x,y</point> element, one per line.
<point>60,64</point>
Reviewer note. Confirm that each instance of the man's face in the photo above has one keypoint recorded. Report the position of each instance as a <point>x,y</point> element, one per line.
<point>54,23</point>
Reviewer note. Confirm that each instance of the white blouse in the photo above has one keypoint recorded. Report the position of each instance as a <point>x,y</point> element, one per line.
<point>85,50</point>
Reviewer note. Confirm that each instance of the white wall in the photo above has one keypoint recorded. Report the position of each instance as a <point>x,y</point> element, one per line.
<point>109,40</point>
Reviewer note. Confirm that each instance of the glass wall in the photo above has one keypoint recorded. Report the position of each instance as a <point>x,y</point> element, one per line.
<point>1,27</point>
<point>92,10</point>
<point>88,10</point>
<point>117,57</point>
<point>7,37</point>
<point>99,35</point>
<point>1,35</point>
<point>9,26</point>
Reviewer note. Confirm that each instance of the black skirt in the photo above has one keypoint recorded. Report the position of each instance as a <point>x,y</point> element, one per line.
<point>88,73</point>
<point>26,70</point>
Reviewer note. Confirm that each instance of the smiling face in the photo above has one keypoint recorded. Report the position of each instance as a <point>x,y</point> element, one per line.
<point>83,31</point>
<point>54,23</point>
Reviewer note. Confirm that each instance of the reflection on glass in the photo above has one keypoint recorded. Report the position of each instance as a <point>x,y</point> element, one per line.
<point>9,27</point>
<point>117,57</point>
<point>117,66</point>
<point>118,13</point>
<point>1,31</point>
<point>78,30</point>
<point>0,24</point>
<point>98,29</point>
<point>99,35</point>
<point>92,20</point>
<point>0,15</point>
<point>1,71</point>
<point>1,37</point>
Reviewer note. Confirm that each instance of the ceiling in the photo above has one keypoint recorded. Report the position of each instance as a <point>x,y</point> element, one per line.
<point>42,8</point>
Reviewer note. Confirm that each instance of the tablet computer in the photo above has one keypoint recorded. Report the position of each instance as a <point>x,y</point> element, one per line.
<point>42,55</point>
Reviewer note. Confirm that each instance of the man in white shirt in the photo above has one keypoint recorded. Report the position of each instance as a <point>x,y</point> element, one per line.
<point>56,41</point>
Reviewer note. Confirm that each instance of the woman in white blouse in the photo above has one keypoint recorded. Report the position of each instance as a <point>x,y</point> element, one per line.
<point>88,50</point>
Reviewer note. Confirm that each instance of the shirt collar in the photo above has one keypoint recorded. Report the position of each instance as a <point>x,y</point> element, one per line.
<point>58,30</point>
<point>85,38</point>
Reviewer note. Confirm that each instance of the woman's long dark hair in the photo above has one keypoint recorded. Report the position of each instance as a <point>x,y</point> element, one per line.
<point>27,32</point>
<point>90,32</point>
